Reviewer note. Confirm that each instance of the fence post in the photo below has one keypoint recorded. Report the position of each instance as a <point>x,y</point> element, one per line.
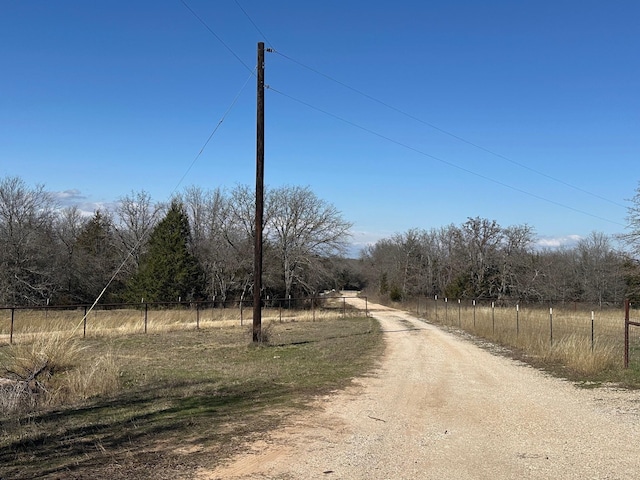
<point>12,319</point>
<point>197,316</point>
<point>474,313</point>
<point>459,316</point>
<point>493,317</point>
<point>344,307</point>
<point>146,309</point>
<point>84,323</point>
<point>517,320</point>
<point>241,319</point>
<point>592,317</point>
<point>551,325</point>
<point>446,311</point>
<point>435,302</point>
<point>366,307</point>
<point>313,308</point>
<point>626,333</point>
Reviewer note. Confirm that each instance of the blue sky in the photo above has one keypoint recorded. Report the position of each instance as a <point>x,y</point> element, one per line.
<point>536,105</point>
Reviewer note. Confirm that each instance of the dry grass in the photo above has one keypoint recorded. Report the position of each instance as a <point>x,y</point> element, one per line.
<point>557,337</point>
<point>44,365</point>
<point>51,369</point>
<point>99,322</point>
<point>187,398</point>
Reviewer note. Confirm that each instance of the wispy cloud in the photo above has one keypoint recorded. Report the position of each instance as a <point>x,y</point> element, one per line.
<point>75,198</point>
<point>558,242</point>
<point>69,197</point>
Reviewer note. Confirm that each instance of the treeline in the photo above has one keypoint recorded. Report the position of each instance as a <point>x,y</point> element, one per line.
<point>199,246</point>
<point>483,260</point>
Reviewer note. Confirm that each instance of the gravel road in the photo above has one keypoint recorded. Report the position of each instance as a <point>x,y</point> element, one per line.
<point>440,407</point>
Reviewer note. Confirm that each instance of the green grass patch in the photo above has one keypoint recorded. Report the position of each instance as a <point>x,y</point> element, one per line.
<point>187,399</point>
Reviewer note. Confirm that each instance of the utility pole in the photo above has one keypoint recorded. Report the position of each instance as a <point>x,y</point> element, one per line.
<point>257,261</point>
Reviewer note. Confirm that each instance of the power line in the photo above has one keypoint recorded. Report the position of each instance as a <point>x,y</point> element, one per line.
<point>452,135</point>
<point>254,24</point>
<point>417,119</point>
<point>441,160</point>
<point>139,242</point>
<point>224,116</point>
<point>216,35</point>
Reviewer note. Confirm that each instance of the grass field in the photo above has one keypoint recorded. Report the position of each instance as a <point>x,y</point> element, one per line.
<point>182,398</point>
<point>24,323</point>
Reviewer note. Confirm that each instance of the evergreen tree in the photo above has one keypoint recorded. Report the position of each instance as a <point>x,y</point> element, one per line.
<point>168,270</point>
<point>94,260</point>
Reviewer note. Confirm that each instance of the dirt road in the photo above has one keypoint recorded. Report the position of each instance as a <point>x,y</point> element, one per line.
<point>440,407</point>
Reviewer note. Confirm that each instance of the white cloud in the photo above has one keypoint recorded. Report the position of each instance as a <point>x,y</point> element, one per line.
<point>75,198</point>
<point>558,242</point>
<point>68,197</point>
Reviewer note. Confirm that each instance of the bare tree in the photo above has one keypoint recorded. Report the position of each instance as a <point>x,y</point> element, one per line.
<point>632,236</point>
<point>136,216</point>
<point>482,238</point>
<point>214,241</point>
<point>68,225</point>
<point>516,254</point>
<point>600,270</point>
<point>27,242</point>
<point>303,229</point>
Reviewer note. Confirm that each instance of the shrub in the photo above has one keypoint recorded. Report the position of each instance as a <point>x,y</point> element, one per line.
<point>395,294</point>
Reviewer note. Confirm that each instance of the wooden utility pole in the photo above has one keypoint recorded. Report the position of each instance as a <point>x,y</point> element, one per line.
<point>257,261</point>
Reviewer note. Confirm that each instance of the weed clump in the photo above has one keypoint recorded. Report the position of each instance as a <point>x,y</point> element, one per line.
<point>46,370</point>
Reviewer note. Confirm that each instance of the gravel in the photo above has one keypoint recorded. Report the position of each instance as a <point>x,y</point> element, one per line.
<point>440,407</point>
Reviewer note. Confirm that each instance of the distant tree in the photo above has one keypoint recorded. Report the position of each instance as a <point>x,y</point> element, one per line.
<point>95,259</point>
<point>135,216</point>
<point>168,270</point>
<point>482,239</point>
<point>27,243</point>
<point>599,270</point>
<point>221,243</point>
<point>67,226</point>
<point>632,236</point>
<point>516,256</point>
<point>303,229</point>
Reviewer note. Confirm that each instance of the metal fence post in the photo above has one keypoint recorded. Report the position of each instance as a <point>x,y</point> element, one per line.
<point>493,318</point>
<point>446,311</point>
<point>146,309</point>
<point>626,333</point>
<point>12,320</point>
<point>592,317</point>
<point>551,325</point>
<point>84,323</point>
<point>474,313</point>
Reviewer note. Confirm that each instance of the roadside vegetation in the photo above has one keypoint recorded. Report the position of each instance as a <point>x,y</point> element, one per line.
<point>163,404</point>
<point>584,346</point>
